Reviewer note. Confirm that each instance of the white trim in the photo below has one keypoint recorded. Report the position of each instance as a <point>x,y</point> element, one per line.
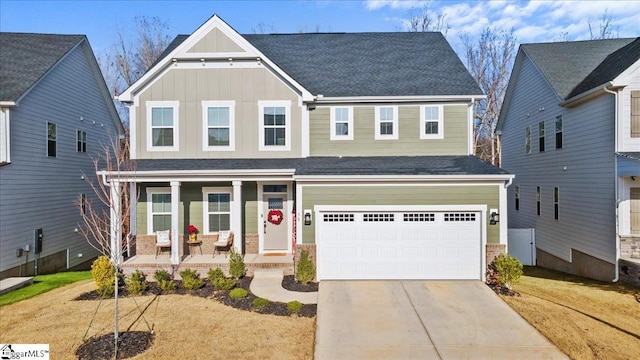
<point>231,105</point>
<point>439,121</point>
<point>205,206</point>
<point>261,217</point>
<point>304,127</point>
<point>151,191</point>
<point>286,104</point>
<point>398,178</point>
<point>5,135</point>
<point>349,121</point>
<point>236,215</point>
<point>398,99</point>
<point>394,122</point>
<point>175,222</point>
<point>86,141</point>
<point>133,131</point>
<point>176,124</point>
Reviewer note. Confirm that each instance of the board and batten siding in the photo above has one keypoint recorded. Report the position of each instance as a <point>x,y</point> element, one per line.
<point>587,204</point>
<point>313,195</point>
<point>245,86</point>
<point>627,143</point>
<point>39,191</point>
<point>455,142</point>
<point>215,41</point>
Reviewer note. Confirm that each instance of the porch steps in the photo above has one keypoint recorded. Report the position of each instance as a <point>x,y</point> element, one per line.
<point>630,247</point>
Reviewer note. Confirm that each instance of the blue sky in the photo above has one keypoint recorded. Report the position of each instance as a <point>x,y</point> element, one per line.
<point>534,21</point>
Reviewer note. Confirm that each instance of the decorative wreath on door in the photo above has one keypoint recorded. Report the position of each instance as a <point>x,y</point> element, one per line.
<point>275,216</point>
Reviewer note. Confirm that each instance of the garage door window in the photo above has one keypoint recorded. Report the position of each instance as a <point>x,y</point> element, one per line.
<point>377,217</point>
<point>338,218</point>
<point>459,217</point>
<point>419,217</point>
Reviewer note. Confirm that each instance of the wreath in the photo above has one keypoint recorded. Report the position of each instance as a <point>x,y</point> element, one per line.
<point>275,216</point>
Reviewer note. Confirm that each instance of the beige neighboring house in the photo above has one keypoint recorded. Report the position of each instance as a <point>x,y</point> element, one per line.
<point>356,146</point>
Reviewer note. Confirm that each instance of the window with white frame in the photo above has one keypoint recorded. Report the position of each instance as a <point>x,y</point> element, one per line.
<point>432,122</point>
<point>527,140</point>
<point>386,123</point>
<point>275,125</point>
<point>158,209</point>
<point>162,128</point>
<point>217,209</point>
<point>541,136</point>
<point>52,139</point>
<point>635,114</point>
<point>219,125</point>
<point>81,141</point>
<point>341,123</point>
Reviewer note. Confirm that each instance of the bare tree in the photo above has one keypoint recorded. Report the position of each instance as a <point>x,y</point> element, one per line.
<point>489,58</point>
<point>264,28</point>
<point>421,20</point>
<point>606,28</point>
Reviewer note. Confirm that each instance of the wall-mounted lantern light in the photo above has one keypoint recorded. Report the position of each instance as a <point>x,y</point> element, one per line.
<point>494,217</point>
<point>307,217</point>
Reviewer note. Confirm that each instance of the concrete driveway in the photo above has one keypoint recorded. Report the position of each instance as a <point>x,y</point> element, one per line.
<point>422,320</point>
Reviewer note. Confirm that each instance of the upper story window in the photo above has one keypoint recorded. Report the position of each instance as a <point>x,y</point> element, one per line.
<point>556,203</point>
<point>217,209</point>
<point>386,123</point>
<point>635,114</point>
<point>81,141</point>
<point>541,136</point>
<point>538,199</point>
<point>341,123</point>
<point>219,125</point>
<point>431,123</point>
<point>527,140</point>
<point>517,197</point>
<point>83,203</point>
<point>559,132</point>
<point>52,139</point>
<point>158,209</point>
<point>275,125</point>
<point>162,125</point>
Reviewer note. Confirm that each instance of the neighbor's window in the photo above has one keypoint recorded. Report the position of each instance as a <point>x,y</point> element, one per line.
<point>341,123</point>
<point>386,123</point>
<point>219,121</point>
<point>538,200</point>
<point>517,197</point>
<point>431,124</point>
<point>217,209</point>
<point>559,132</point>
<point>527,140</point>
<point>275,127</point>
<point>635,114</point>
<point>556,203</point>
<point>83,203</point>
<point>159,209</point>
<point>81,141</point>
<point>541,136</point>
<point>163,125</point>
<point>52,139</point>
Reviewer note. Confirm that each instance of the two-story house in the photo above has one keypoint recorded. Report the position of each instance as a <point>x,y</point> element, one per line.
<point>356,146</point>
<point>570,131</point>
<point>56,115</point>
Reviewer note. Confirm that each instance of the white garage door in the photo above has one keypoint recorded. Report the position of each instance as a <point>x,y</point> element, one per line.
<point>398,245</point>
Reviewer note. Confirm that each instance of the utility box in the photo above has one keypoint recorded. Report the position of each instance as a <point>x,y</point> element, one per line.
<point>37,246</point>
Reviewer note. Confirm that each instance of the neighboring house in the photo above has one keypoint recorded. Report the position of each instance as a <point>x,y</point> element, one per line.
<point>55,116</point>
<point>356,146</point>
<point>570,132</point>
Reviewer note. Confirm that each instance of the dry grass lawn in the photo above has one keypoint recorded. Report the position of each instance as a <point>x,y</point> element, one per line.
<point>586,319</point>
<point>186,327</point>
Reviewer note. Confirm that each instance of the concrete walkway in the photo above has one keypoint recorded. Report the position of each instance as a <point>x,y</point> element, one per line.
<point>14,283</point>
<point>267,284</point>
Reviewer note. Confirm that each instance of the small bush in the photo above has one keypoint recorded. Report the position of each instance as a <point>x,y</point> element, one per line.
<point>167,285</point>
<point>508,270</point>
<point>238,293</point>
<point>260,302</point>
<point>103,272</point>
<point>294,306</point>
<point>214,274</point>
<point>224,283</point>
<point>305,271</point>
<point>236,264</point>
<point>136,282</point>
<point>161,275</point>
<point>191,280</point>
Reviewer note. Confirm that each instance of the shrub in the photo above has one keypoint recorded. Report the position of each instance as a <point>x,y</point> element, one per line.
<point>224,283</point>
<point>294,306</point>
<point>136,282</point>
<point>508,270</point>
<point>238,293</point>
<point>260,302</point>
<point>305,271</point>
<point>161,275</point>
<point>236,264</point>
<point>103,272</point>
<point>167,285</point>
<point>191,280</point>
<point>214,274</point>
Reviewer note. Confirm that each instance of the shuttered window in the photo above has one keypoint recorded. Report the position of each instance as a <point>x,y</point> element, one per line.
<point>635,114</point>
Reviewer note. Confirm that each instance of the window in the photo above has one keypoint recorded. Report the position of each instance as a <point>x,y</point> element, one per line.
<point>52,139</point>
<point>274,188</point>
<point>556,203</point>
<point>559,132</point>
<point>81,141</point>
<point>538,200</point>
<point>527,140</point>
<point>386,123</point>
<point>83,203</point>
<point>541,136</point>
<point>635,114</point>
<point>517,197</point>
<point>217,209</point>
<point>5,137</point>
<point>162,129</point>
<point>219,130</point>
<point>158,209</point>
<point>275,127</point>
<point>341,123</point>
<point>431,123</point>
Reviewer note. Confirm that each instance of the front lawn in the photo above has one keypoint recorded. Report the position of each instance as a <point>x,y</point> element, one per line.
<point>42,284</point>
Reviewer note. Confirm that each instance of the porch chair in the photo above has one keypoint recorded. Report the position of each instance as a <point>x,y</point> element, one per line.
<point>163,240</point>
<point>225,241</point>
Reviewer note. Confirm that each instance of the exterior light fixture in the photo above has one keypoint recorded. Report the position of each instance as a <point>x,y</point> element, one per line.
<point>494,218</point>
<point>307,217</point>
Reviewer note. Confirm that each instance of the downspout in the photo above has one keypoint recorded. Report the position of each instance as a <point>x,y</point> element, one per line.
<point>615,169</point>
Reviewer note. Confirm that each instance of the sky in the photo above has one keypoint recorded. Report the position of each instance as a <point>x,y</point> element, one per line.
<point>533,21</point>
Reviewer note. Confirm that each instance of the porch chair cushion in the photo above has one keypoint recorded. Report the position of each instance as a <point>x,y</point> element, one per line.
<point>163,240</point>
<point>225,240</point>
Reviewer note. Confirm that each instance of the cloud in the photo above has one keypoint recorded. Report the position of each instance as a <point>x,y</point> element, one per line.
<point>394,4</point>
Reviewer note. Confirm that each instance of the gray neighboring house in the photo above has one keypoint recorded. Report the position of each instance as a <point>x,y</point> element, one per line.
<point>570,132</point>
<point>55,116</point>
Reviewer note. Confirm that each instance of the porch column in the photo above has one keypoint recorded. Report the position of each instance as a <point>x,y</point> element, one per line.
<point>236,214</point>
<point>115,223</point>
<point>175,223</point>
<point>133,214</point>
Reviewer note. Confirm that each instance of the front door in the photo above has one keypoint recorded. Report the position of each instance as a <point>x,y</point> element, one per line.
<point>275,222</point>
<point>635,210</point>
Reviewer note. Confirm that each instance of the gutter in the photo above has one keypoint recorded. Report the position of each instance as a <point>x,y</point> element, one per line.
<point>7,103</point>
<point>587,95</point>
<point>320,99</point>
<point>615,163</point>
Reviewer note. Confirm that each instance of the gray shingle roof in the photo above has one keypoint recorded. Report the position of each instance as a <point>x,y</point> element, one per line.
<point>27,57</point>
<point>630,155</point>
<point>566,64</point>
<point>331,166</point>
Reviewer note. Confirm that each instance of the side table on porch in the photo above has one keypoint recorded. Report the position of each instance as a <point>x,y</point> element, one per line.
<point>191,244</point>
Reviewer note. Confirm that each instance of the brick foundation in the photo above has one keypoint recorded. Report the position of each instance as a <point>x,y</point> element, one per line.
<point>630,272</point>
<point>146,245</point>
<point>311,248</point>
<point>493,250</point>
<point>251,244</point>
